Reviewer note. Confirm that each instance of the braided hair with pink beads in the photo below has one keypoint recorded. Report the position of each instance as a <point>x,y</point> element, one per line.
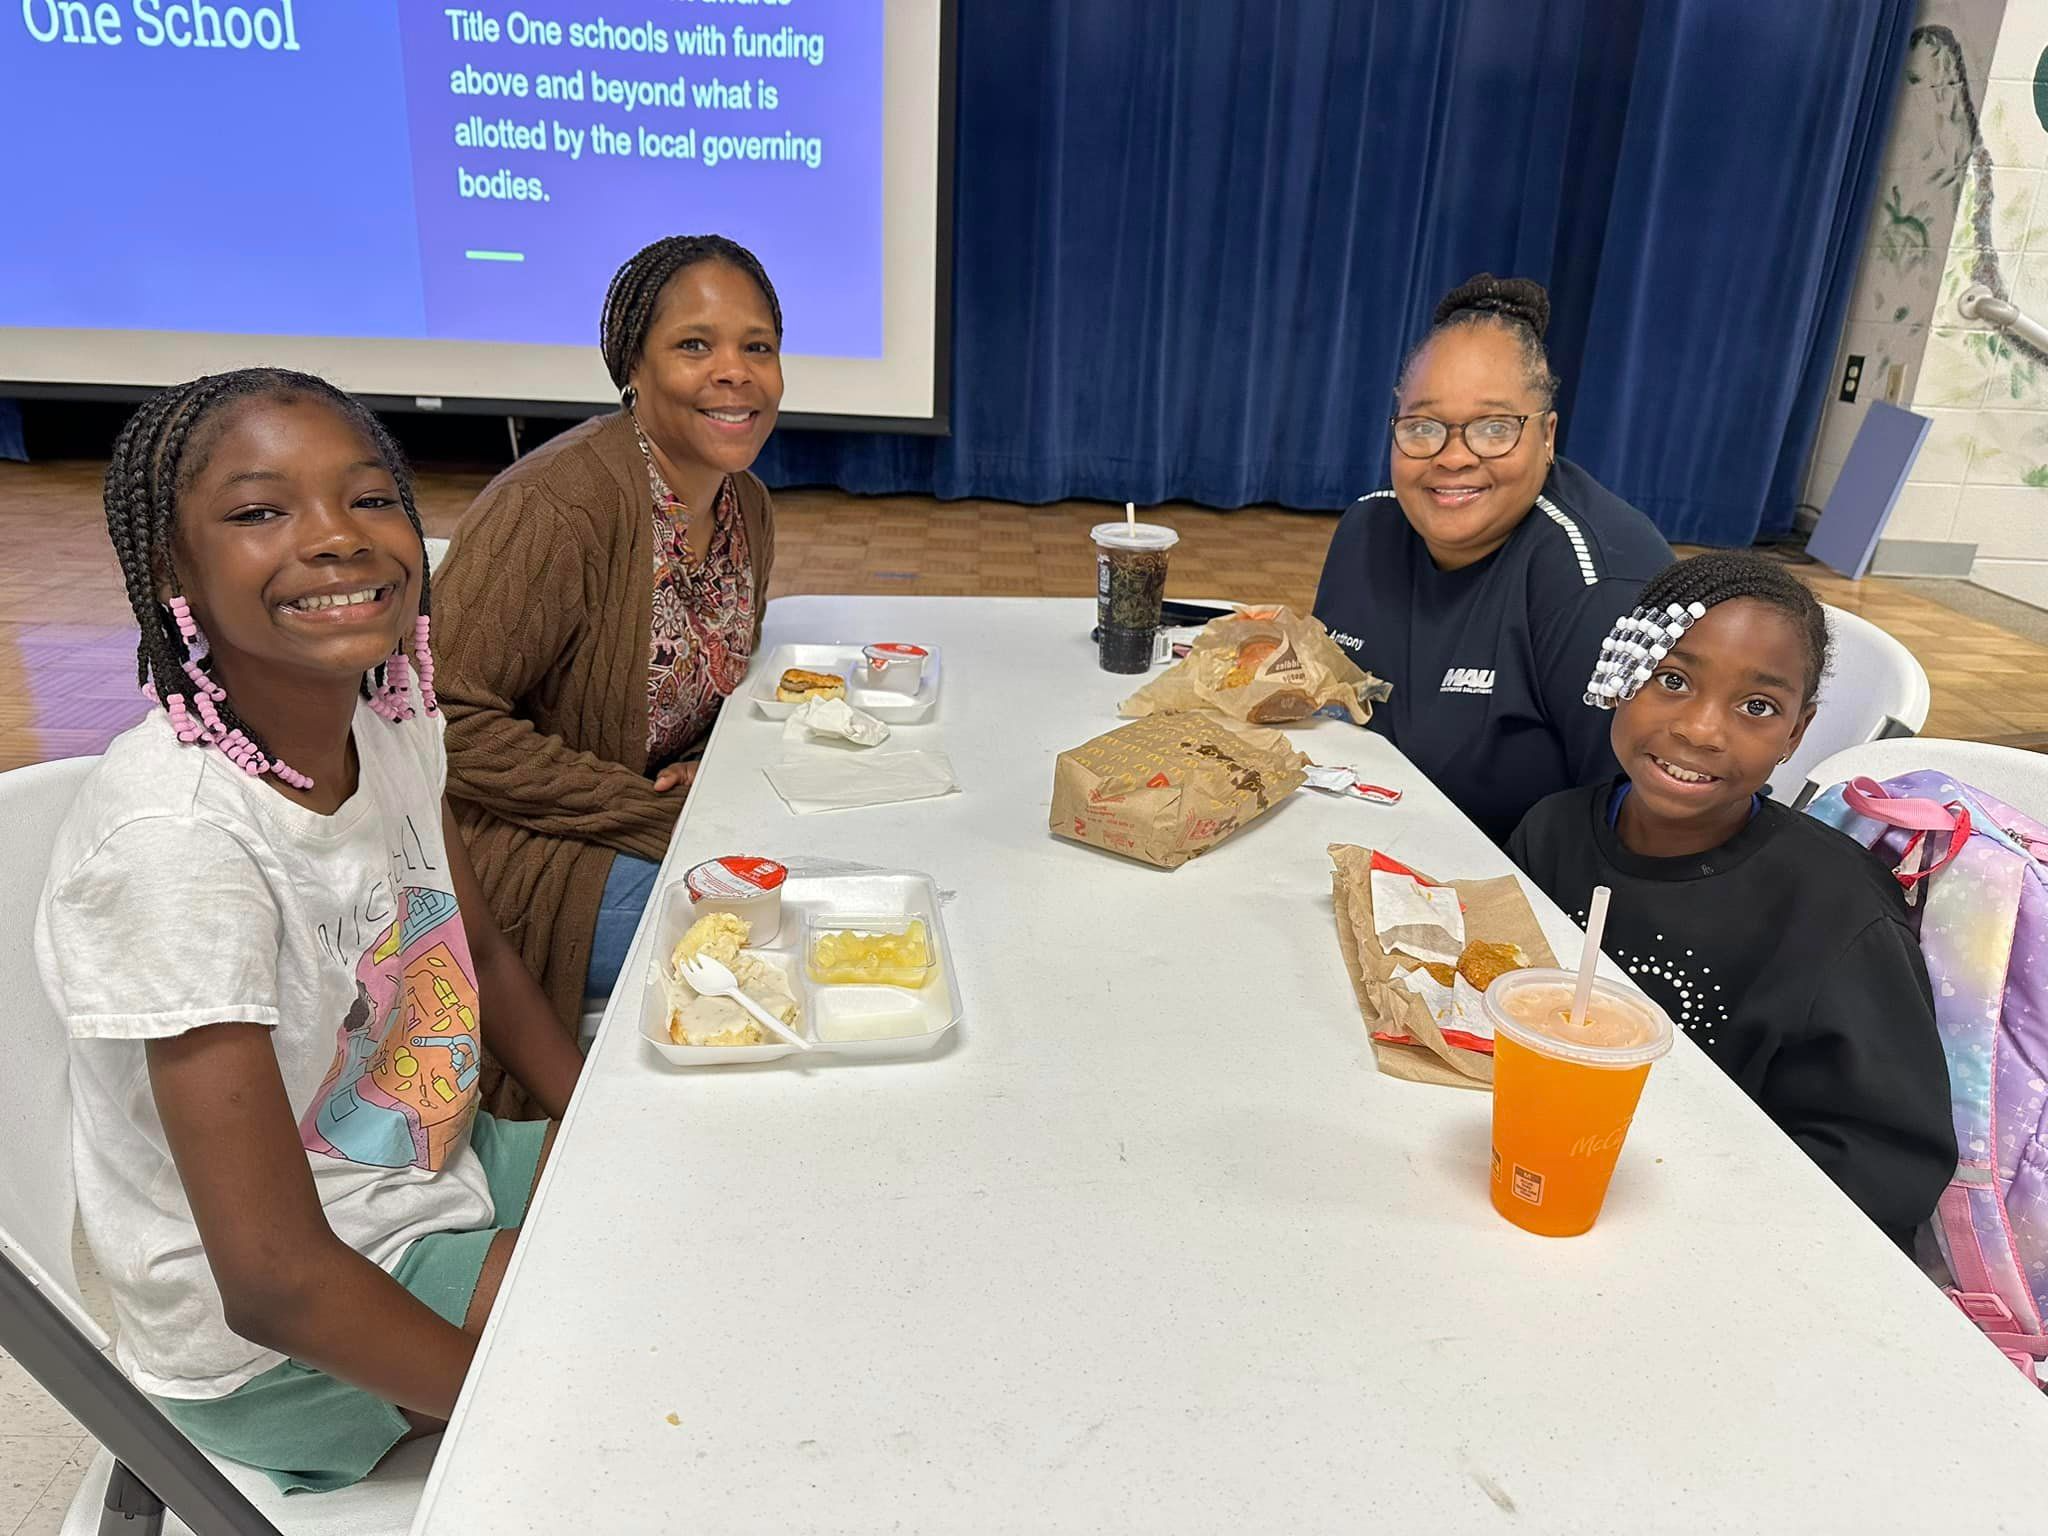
<point>159,450</point>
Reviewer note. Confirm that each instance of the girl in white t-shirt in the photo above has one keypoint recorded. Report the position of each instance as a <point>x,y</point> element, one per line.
<point>271,954</point>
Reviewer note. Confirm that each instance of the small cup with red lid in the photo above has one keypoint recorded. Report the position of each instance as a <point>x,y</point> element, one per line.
<point>748,887</point>
<point>895,667</point>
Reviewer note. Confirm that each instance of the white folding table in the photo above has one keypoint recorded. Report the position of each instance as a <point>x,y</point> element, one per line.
<point>1150,1246</point>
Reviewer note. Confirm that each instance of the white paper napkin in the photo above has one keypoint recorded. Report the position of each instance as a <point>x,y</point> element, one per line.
<point>840,781</point>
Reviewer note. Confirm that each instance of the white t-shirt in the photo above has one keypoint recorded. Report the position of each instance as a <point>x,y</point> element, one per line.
<point>184,893</point>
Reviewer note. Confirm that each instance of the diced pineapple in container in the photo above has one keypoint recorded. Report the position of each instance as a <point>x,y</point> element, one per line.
<point>866,951</point>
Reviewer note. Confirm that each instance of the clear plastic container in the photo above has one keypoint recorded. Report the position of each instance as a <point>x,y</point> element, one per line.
<point>1130,584</point>
<point>844,949</point>
<point>1564,1095</point>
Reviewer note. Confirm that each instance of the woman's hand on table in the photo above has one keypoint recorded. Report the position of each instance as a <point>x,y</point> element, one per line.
<point>676,776</point>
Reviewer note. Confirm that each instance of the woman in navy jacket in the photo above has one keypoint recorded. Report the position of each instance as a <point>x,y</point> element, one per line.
<point>1483,581</point>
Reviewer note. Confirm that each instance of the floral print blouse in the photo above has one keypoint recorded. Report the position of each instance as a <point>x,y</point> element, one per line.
<point>703,631</point>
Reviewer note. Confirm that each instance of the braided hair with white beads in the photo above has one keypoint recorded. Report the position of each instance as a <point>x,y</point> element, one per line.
<point>162,446</point>
<point>1679,596</point>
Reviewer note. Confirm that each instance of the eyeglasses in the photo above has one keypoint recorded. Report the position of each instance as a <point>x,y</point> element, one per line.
<point>1489,437</point>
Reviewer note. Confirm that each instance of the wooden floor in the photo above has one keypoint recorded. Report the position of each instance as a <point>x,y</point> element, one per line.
<point>67,674</point>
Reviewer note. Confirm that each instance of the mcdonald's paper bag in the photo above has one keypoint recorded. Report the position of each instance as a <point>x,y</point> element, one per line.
<point>1170,787</point>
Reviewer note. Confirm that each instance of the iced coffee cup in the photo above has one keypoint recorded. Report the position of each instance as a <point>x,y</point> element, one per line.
<point>1564,1094</point>
<point>1130,583</point>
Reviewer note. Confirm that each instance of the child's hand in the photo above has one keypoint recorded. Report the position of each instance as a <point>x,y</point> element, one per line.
<point>676,776</point>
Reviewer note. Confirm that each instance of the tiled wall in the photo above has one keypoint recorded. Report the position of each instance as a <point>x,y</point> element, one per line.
<point>1982,475</point>
<point>1927,157</point>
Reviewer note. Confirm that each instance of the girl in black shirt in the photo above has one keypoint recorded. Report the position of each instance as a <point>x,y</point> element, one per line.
<point>1780,946</point>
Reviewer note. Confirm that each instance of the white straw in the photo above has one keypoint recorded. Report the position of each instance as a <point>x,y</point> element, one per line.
<point>1130,514</point>
<point>1589,957</point>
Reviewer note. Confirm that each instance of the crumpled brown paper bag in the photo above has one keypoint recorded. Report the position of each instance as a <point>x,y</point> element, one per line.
<point>1494,909</point>
<point>1265,666</point>
<point>1164,789</point>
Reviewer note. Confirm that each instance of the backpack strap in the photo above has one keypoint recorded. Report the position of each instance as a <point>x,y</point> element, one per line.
<point>1976,1289</point>
<point>1867,797</point>
<point>1966,916</point>
<point>1992,1316</point>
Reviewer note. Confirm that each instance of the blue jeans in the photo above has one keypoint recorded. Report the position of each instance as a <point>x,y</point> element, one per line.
<point>626,890</point>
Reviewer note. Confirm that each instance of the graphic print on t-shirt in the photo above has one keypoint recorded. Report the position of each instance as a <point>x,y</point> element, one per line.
<point>403,1087</point>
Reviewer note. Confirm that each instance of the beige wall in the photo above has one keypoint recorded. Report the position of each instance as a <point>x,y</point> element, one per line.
<point>1927,155</point>
<point>1982,475</point>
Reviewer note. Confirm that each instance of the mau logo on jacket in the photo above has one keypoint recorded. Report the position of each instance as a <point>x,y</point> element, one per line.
<point>1468,680</point>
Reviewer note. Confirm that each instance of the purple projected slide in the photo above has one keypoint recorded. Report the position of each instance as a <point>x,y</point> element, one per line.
<point>408,169</point>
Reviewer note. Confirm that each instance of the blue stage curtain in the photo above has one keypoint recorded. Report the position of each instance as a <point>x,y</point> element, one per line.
<point>1193,239</point>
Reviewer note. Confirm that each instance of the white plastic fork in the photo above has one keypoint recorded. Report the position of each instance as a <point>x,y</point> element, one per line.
<point>713,978</point>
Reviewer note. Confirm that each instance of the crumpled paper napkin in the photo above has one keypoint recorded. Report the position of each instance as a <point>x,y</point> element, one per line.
<point>833,720</point>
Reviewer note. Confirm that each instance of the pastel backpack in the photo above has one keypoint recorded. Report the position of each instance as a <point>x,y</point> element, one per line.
<point>1974,872</point>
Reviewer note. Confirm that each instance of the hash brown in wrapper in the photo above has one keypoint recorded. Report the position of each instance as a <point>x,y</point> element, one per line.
<point>1406,1040</point>
<point>1484,962</point>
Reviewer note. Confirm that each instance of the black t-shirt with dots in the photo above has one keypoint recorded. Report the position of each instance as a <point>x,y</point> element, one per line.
<point>1788,956</point>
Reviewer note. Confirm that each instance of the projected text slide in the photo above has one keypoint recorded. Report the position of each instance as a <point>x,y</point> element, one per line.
<point>467,172</point>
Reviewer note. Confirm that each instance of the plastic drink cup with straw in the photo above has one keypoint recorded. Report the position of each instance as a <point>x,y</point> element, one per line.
<point>1130,583</point>
<point>1570,1055</point>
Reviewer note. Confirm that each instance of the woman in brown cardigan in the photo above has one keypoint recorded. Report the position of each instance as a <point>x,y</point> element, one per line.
<point>601,599</point>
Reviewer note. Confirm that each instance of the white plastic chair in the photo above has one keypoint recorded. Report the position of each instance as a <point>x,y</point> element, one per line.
<point>43,1319</point>
<point>437,551</point>
<point>381,1505</point>
<point>1875,688</point>
<point>2018,778</point>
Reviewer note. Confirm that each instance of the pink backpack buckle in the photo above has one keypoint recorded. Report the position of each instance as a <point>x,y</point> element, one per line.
<point>1985,1310</point>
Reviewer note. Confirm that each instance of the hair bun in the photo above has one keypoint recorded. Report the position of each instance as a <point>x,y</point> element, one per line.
<point>1514,298</point>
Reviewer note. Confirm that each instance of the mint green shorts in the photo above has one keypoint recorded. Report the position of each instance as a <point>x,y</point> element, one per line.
<point>308,1431</point>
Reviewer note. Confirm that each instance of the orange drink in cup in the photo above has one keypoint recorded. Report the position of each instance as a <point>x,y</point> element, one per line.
<point>1564,1093</point>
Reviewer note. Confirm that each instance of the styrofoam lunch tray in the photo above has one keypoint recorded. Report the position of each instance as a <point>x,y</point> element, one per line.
<point>864,1021</point>
<point>847,661</point>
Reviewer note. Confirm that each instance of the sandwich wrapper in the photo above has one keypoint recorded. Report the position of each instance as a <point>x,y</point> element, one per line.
<point>1402,1004</point>
<point>1265,666</point>
<point>1410,918</point>
<point>833,720</point>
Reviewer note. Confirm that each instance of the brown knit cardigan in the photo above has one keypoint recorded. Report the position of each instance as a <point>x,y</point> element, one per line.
<point>543,614</point>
